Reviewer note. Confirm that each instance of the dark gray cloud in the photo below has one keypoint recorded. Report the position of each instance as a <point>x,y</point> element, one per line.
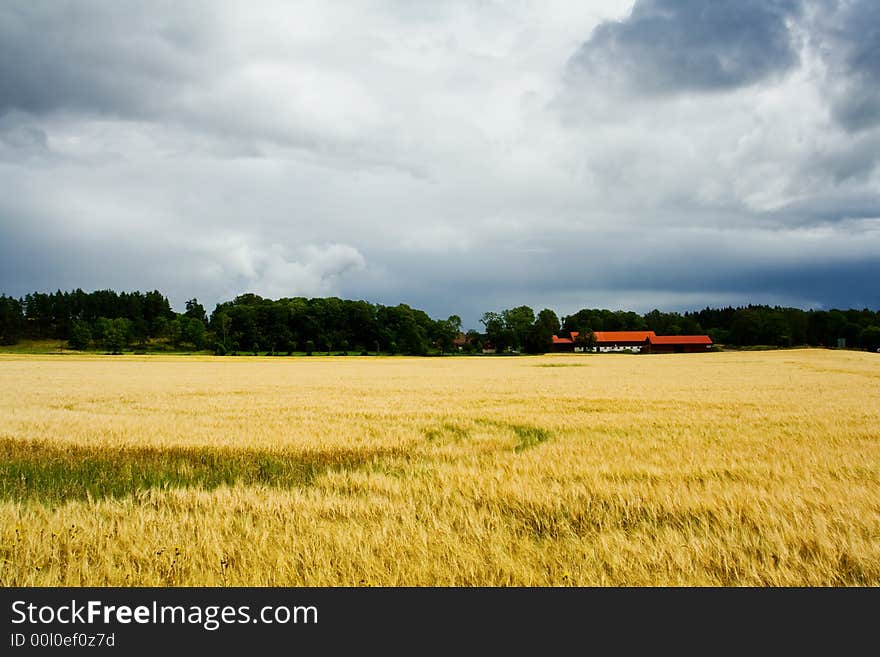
<point>121,58</point>
<point>673,269</point>
<point>841,207</point>
<point>691,45</point>
<point>852,45</point>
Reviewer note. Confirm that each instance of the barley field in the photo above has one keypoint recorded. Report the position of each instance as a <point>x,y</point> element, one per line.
<point>718,469</point>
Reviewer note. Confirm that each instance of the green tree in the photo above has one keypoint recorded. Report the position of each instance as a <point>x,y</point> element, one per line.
<point>540,336</point>
<point>80,336</point>
<point>472,341</point>
<point>195,310</point>
<point>870,338</point>
<point>160,327</point>
<point>193,332</point>
<point>586,340</point>
<point>117,335</point>
<point>220,325</point>
<point>175,331</point>
<point>11,320</point>
<point>140,331</point>
<point>445,331</point>
<point>496,331</point>
<point>518,323</point>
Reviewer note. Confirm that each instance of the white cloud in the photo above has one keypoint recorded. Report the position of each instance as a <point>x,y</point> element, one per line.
<point>275,270</point>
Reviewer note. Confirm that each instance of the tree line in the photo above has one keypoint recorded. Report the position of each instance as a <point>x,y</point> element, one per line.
<point>105,319</point>
<point>519,329</point>
<point>248,324</point>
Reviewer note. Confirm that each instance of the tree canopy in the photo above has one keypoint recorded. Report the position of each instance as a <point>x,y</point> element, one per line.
<point>251,324</point>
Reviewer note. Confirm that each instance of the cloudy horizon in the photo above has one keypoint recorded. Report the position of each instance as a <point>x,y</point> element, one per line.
<point>460,157</point>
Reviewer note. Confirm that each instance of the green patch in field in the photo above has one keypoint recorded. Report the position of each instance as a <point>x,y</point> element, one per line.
<point>529,436</point>
<point>447,431</point>
<point>52,473</point>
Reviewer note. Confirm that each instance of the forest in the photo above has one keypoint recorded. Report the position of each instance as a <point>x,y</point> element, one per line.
<point>249,324</point>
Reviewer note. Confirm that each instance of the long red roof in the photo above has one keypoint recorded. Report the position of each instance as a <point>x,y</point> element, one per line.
<point>623,336</point>
<point>605,337</point>
<point>681,339</point>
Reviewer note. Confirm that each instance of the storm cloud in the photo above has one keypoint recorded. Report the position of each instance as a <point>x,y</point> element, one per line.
<point>692,45</point>
<point>460,157</point>
<point>120,58</point>
<point>852,46</point>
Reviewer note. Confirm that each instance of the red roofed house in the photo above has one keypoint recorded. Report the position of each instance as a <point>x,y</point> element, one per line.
<point>622,340</point>
<point>606,341</point>
<point>639,341</point>
<point>461,341</point>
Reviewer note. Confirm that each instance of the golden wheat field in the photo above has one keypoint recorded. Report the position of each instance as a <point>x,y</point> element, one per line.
<point>751,469</point>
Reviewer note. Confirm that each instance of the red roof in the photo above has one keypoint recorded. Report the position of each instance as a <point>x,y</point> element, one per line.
<point>681,339</point>
<point>623,336</point>
<point>558,340</point>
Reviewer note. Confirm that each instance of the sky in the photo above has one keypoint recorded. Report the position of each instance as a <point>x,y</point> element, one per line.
<point>458,156</point>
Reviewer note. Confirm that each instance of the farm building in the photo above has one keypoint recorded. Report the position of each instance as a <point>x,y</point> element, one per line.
<point>562,344</point>
<point>622,340</point>
<point>638,341</point>
<point>660,344</point>
<point>605,341</point>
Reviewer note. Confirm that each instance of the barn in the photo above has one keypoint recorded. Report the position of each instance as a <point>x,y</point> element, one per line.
<point>638,341</point>
<point>667,344</point>
<point>622,340</point>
